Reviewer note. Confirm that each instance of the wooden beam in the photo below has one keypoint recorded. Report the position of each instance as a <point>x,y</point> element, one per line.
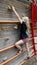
<point>24,61</point>
<point>6,48</point>
<point>8,22</point>
<point>13,57</point>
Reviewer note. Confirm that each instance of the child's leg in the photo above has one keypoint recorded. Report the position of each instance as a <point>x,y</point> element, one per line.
<point>28,39</point>
<point>26,44</point>
<point>17,44</point>
<point>27,47</point>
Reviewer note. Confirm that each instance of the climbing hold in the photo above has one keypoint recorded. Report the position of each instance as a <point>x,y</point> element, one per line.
<point>9,7</point>
<point>16,27</point>
<point>27,6</point>
<point>6,39</point>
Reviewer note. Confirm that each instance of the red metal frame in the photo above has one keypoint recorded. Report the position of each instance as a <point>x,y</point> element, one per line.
<point>34,11</point>
<point>34,19</point>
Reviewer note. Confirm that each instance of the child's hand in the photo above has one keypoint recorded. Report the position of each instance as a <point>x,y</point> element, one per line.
<point>13,7</point>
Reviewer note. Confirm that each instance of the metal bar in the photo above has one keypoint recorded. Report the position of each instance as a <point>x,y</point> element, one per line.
<point>33,28</point>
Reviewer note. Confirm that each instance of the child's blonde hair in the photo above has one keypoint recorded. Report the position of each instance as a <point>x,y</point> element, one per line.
<point>27,23</point>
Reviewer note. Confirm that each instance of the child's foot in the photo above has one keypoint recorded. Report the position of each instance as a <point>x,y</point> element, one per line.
<point>20,51</point>
<point>28,57</point>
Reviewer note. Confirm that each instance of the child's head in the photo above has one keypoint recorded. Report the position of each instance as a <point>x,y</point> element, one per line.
<point>25,19</point>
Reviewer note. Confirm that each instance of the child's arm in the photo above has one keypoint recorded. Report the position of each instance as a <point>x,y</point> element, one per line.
<point>17,14</point>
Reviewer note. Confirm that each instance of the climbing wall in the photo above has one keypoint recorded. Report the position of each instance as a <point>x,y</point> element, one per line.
<point>7,15</point>
<point>7,31</point>
<point>10,33</point>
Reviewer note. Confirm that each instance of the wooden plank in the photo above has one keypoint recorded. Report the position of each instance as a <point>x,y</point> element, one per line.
<point>8,22</point>
<point>5,49</point>
<point>13,57</point>
<point>24,61</point>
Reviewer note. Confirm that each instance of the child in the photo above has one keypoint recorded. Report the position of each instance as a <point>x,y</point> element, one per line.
<point>23,35</point>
